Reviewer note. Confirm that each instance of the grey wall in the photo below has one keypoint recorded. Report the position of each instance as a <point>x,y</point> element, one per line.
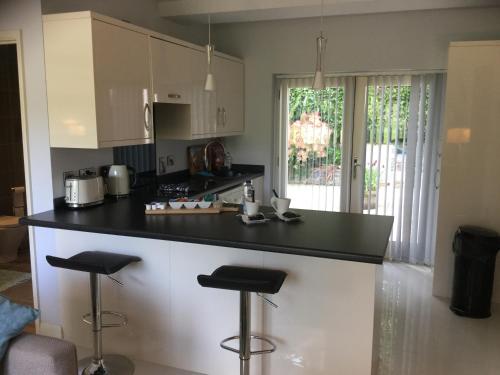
<point>142,13</point>
<point>379,42</point>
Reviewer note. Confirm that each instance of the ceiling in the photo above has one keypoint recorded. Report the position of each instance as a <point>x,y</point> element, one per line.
<point>224,11</point>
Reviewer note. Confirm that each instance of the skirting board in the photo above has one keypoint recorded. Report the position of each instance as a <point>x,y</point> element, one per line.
<point>48,329</point>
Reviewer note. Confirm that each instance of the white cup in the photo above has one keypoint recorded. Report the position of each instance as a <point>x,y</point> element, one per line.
<point>281,205</point>
<point>252,208</point>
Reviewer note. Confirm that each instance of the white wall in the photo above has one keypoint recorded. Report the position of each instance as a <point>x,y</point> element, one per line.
<point>379,42</point>
<point>25,15</point>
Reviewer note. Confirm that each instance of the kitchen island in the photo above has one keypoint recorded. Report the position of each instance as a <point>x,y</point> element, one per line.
<point>325,323</point>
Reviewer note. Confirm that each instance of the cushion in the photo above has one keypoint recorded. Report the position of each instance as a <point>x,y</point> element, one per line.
<point>13,319</point>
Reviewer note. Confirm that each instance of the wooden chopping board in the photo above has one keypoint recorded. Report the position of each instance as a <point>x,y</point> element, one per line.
<point>192,211</point>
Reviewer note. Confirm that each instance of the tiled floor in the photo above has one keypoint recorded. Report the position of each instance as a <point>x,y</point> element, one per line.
<point>421,336</point>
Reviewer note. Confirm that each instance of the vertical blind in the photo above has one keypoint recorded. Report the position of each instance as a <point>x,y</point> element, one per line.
<point>403,127</point>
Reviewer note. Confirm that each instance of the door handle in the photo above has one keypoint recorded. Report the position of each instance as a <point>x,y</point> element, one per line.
<point>146,116</point>
<point>355,167</point>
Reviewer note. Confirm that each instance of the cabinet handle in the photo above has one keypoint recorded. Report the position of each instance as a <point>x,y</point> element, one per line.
<point>147,115</point>
<point>218,120</point>
<point>224,117</point>
<point>174,96</point>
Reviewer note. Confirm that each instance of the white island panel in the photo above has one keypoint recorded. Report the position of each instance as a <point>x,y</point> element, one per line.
<point>323,326</point>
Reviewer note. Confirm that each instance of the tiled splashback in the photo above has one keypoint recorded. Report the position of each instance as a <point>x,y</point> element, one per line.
<point>142,157</point>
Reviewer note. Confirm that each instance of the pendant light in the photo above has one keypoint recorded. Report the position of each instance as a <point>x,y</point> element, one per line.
<point>319,78</point>
<point>210,80</point>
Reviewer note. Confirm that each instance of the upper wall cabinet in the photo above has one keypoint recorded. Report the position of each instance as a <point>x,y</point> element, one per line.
<point>183,109</point>
<point>229,76</point>
<point>98,82</point>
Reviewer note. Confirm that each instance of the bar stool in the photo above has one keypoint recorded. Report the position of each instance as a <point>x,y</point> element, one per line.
<point>245,280</point>
<point>99,263</point>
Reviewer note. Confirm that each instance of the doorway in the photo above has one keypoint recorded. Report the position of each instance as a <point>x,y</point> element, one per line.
<point>15,259</point>
<point>365,144</point>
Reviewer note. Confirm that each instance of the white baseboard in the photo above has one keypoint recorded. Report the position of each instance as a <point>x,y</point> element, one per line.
<point>48,329</point>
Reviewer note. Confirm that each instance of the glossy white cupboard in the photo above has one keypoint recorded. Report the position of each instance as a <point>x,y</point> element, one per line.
<point>98,82</point>
<point>187,110</point>
<point>229,76</point>
<point>103,76</point>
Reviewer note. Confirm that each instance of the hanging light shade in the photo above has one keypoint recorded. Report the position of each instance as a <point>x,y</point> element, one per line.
<point>319,77</point>
<point>210,80</point>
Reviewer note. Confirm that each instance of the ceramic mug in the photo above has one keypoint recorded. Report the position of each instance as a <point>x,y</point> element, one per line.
<point>281,205</point>
<point>252,208</point>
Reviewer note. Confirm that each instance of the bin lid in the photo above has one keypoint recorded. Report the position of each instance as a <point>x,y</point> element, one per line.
<point>477,231</point>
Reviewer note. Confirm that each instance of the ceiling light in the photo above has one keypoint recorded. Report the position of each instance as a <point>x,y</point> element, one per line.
<point>210,80</point>
<point>319,77</point>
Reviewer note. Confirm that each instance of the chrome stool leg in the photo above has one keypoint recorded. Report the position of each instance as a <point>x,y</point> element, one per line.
<point>99,364</point>
<point>245,316</point>
<point>245,337</point>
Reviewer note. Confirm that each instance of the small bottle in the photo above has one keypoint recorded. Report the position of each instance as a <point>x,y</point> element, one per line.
<point>248,194</point>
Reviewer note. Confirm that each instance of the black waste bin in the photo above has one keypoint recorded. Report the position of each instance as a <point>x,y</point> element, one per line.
<point>475,251</point>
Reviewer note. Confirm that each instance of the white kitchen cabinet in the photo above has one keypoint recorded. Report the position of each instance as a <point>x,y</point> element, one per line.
<point>98,82</point>
<point>230,94</point>
<point>184,110</point>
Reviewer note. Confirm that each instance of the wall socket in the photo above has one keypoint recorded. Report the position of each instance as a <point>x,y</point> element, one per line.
<point>91,171</point>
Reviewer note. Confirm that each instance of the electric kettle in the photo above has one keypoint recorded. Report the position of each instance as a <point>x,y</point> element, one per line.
<point>119,179</point>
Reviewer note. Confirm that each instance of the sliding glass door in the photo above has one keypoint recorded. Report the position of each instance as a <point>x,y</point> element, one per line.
<point>315,168</point>
<point>367,144</point>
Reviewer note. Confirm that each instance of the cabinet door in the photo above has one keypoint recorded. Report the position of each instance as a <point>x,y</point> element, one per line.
<point>230,96</point>
<point>172,72</point>
<point>122,85</point>
<point>204,102</point>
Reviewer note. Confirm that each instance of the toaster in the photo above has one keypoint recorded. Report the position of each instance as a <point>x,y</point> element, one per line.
<point>84,191</point>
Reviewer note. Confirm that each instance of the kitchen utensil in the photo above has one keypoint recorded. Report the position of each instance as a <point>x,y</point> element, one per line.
<point>176,205</point>
<point>259,218</point>
<point>288,216</point>
<point>204,204</point>
<point>252,208</point>
<point>119,179</point>
<point>84,191</point>
<point>196,159</point>
<point>214,156</point>
<point>280,205</point>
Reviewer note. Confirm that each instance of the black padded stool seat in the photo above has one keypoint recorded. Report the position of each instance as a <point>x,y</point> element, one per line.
<point>94,262</point>
<point>244,279</point>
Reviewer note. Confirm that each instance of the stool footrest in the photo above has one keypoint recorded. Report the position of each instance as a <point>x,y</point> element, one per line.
<point>88,320</point>
<point>254,352</point>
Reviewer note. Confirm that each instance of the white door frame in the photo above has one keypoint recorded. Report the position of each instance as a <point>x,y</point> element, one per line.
<point>15,37</point>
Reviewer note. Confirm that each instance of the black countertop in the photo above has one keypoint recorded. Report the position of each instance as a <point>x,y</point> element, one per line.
<point>352,237</point>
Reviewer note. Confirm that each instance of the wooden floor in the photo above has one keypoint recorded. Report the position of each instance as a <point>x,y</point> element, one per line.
<point>21,294</point>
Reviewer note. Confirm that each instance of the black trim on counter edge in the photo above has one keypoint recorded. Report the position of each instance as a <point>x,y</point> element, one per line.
<point>208,241</point>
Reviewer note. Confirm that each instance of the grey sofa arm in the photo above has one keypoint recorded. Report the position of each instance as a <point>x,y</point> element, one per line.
<point>40,355</point>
